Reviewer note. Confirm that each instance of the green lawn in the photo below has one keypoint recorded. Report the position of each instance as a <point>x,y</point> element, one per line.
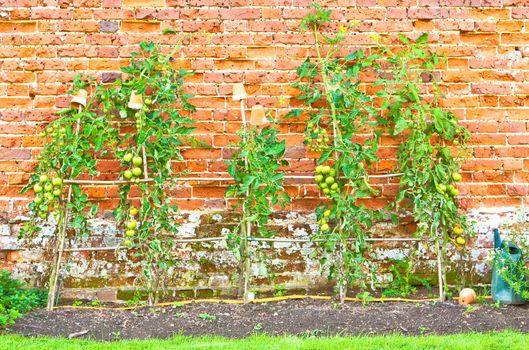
<point>504,340</point>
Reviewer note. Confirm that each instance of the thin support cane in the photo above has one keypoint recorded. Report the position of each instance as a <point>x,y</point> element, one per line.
<point>440,273</point>
<point>246,232</point>
<point>61,238</point>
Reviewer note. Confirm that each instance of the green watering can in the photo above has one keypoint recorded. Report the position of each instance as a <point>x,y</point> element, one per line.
<point>501,291</point>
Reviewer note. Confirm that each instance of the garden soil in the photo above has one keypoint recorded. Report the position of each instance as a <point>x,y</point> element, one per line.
<point>296,317</point>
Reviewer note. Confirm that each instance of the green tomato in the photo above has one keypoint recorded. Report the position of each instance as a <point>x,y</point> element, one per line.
<point>457,177</point>
<point>318,178</point>
<point>324,185</point>
<point>137,161</point>
<point>48,196</point>
<point>334,186</point>
<point>319,168</point>
<point>130,233</point>
<point>327,213</point>
<point>43,178</point>
<point>37,188</point>
<point>132,224</point>
<point>127,242</point>
<point>329,180</point>
<point>325,169</point>
<point>441,187</point>
<point>133,211</point>
<point>324,228</point>
<point>38,200</point>
<point>127,174</point>
<point>43,215</point>
<point>326,191</point>
<point>454,192</point>
<point>56,181</point>
<point>456,142</point>
<point>148,101</point>
<point>332,172</point>
<point>128,157</point>
<point>48,187</point>
<point>136,171</point>
<point>43,134</point>
<point>57,192</point>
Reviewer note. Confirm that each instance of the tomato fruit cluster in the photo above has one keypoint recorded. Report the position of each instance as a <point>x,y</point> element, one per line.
<point>134,171</point>
<point>450,190</point>
<point>458,232</point>
<point>317,138</point>
<point>56,132</point>
<point>323,221</point>
<point>326,180</point>
<point>131,226</point>
<point>47,195</point>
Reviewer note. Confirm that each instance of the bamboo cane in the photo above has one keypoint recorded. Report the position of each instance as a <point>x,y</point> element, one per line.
<point>186,179</point>
<point>61,238</point>
<point>440,272</point>
<point>247,230</point>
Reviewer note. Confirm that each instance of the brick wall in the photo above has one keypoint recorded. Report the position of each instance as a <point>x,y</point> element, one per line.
<point>44,43</point>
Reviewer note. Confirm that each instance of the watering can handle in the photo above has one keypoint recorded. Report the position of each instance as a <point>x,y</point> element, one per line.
<point>497,239</point>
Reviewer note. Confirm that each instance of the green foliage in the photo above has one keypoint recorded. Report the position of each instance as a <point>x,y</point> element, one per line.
<point>406,104</point>
<point>365,297</point>
<point>161,130</point>
<point>515,273</point>
<point>255,167</point>
<point>404,281</point>
<point>280,290</point>
<point>427,157</point>
<point>15,301</point>
<point>207,317</point>
<point>145,139</point>
<point>335,102</point>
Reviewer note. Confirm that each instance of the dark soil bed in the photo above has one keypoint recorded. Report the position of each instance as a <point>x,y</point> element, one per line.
<point>317,318</point>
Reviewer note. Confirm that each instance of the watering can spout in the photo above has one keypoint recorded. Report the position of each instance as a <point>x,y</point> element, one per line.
<point>497,239</point>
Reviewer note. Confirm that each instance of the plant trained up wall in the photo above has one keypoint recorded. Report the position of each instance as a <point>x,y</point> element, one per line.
<point>345,124</point>
<point>142,120</point>
<point>138,120</point>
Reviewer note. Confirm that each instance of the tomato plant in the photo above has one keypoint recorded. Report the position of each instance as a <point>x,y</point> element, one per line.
<point>255,167</point>
<point>431,150</point>
<point>338,107</point>
<point>432,143</point>
<point>150,99</point>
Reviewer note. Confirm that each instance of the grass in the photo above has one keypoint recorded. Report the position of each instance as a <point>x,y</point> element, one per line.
<point>490,341</point>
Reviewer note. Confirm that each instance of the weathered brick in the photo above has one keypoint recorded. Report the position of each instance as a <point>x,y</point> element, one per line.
<point>109,26</point>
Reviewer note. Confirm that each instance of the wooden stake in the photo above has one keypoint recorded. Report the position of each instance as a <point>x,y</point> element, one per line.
<point>61,238</point>
<point>247,228</point>
<point>440,273</point>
